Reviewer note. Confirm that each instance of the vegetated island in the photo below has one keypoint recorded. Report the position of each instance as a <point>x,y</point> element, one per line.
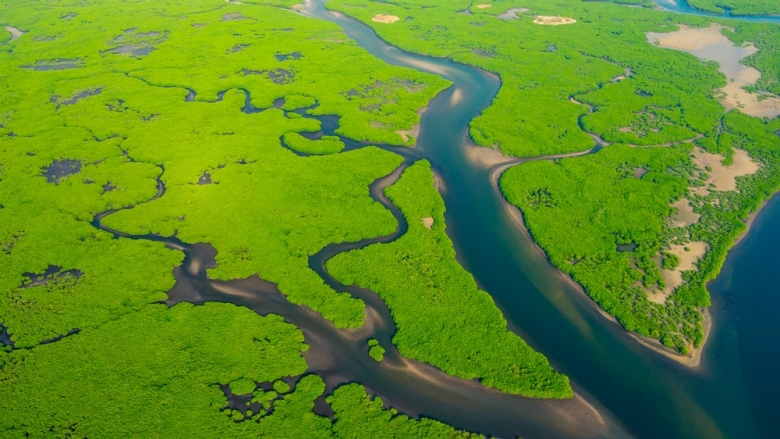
<point>644,223</point>
<point>107,119</point>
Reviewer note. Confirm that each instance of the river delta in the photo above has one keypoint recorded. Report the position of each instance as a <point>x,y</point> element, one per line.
<point>512,219</point>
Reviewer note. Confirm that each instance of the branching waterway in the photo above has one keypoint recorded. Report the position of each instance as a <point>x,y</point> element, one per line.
<point>623,389</point>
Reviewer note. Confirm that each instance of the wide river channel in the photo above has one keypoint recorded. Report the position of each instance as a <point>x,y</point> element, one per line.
<point>623,389</point>
<point>733,393</point>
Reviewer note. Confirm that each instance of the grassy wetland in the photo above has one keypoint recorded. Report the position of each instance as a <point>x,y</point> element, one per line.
<point>128,130</point>
<point>657,111</point>
<point>135,138</point>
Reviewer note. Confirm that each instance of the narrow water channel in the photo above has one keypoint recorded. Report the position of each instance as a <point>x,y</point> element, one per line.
<point>645,393</point>
<point>682,7</point>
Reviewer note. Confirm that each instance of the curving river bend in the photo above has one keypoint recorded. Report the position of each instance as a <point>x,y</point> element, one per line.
<point>623,389</point>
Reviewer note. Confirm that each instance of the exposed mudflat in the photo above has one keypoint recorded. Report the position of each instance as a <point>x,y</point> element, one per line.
<point>553,21</point>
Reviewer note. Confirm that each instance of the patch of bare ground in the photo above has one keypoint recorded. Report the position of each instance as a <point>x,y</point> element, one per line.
<point>553,21</point>
<point>428,222</point>
<point>384,18</point>
<point>709,44</point>
<point>689,255</point>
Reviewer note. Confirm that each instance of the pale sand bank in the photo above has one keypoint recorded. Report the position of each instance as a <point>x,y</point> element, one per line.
<point>693,359</point>
<point>484,6</point>
<point>553,21</point>
<point>725,177</point>
<point>512,14</point>
<point>428,222</point>
<point>15,33</point>
<point>710,44</point>
<point>383,18</point>
<point>414,133</point>
<point>685,215</point>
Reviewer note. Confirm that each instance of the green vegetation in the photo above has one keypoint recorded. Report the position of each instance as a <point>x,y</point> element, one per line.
<point>375,350</point>
<point>597,204</point>
<point>767,39</point>
<point>111,120</point>
<point>580,209</point>
<point>738,7</point>
<point>442,317</point>
<point>359,416</point>
<point>157,373</point>
<point>323,145</point>
<point>644,95</point>
<point>93,113</point>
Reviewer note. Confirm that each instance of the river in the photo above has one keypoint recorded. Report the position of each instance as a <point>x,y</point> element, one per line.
<point>645,393</point>
<point>623,388</point>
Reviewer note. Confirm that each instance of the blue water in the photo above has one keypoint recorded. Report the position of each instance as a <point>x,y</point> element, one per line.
<point>682,6</point>
<point>732,394</point>
<point>746,305</point>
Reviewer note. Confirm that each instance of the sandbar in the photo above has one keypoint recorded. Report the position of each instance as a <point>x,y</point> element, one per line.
<point>383,18</point>
<point>512,14</point>
<point>710,44</point>
<point>553,21</point>
<point>725,177</point>
<point>414,133</point>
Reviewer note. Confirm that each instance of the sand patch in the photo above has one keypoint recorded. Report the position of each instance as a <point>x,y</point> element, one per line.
<point>673,278</point>
<point>297,7</point>
<point>428,222</point>
<point>484,6</point>
<point>709,44</point>
<point>486,157</point>
<point>15,33</point>
<point>383,18</point>
<point>553,21</point>
<point>685,215</point>
<point>414,133</point>
<point>725,177</point>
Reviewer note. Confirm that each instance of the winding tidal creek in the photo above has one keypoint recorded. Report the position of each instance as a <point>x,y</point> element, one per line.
<point>623,389</point>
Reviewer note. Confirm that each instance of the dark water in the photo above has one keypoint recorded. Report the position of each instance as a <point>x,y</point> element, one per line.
<point>648,394</point>
<point>746,300</point>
